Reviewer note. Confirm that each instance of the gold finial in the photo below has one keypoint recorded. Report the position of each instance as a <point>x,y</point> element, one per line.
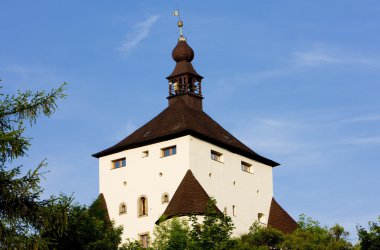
<point>180,25</point>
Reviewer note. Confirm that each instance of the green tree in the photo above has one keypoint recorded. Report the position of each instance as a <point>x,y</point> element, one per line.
<point>311,235</point>
<point>23,214</point>
<point>370,239</point>
<point>132,245</point>
<point>87,229</point>
<point>214,232</point>
<point>260,237</point>
<point>172,234</point>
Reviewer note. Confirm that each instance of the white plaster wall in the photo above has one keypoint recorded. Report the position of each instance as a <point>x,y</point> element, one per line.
<point>142,177</point>
<point>248,202</point>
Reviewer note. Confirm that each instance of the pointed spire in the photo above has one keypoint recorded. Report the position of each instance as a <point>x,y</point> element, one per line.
<point>180,25</point>
<point>184,79</point>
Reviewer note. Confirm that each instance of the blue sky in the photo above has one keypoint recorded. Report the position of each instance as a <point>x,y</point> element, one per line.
<point>297,81</point>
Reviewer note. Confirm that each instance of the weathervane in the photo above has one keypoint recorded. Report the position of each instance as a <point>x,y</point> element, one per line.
<point>180,25</point>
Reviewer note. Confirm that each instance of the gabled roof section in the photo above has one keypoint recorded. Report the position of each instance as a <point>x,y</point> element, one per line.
<point>280,219</point>
<point>189,198</point>
<point>99,209</point>
<point>179,120</point>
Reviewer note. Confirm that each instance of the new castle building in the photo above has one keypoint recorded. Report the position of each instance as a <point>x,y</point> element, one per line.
<point>173,164</point>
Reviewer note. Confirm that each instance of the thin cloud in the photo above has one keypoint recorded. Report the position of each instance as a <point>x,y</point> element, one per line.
<point>364,141</point>
<point>128,128</point>
<point>322,56</point>
<point>271,135</point>
<point>276,145</point>
<point>365,118</point>
<point>313,57</point>
<point>140,32</point>
<point>26,70</point>
<point>296,62</point>
<point>19,76</point>
<point>277,123</point>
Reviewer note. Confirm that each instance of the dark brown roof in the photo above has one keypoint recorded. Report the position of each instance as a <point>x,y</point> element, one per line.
<point>99,209</point>
<point>182,52</point>
<point>184,67</point>
<point>189,198</point>
<point>280,219</point>
<point>179,120</point>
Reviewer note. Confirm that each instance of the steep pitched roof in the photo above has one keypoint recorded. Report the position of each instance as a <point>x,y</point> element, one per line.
<point>280,219</point>
<point>179,120</point>
<point>99,209</point>
<point>189,198</point>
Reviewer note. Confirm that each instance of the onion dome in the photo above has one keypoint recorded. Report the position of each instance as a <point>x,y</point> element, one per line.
<point>183,52</point>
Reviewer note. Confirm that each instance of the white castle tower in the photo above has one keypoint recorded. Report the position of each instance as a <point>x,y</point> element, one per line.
<point>173,164</point>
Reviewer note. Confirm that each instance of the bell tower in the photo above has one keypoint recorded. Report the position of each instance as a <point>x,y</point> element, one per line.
<point>184,82</point>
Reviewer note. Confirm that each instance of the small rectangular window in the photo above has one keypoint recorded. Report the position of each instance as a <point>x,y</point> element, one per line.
<point>246,167</point>
<point>216,156</point>
<point>119,163</point>
<point>145,153</point>
<point>168,151</point>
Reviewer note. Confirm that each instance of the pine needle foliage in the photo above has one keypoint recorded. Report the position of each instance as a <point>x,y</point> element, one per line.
<point>23,214</point>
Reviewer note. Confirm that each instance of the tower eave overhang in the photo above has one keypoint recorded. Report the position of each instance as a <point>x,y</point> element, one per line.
<point>250,155</point>
<point>184,94</point>
<point>184,67</point>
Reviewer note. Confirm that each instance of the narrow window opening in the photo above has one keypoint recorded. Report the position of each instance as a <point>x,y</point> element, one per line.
<point>145,153</point>
<point>261,218</point>
<point>143,206</point>
<point>122,208</point>
<point>144,238</point>
<point>225,211</point>
<point>165,198</point>
<point>233,210</point>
